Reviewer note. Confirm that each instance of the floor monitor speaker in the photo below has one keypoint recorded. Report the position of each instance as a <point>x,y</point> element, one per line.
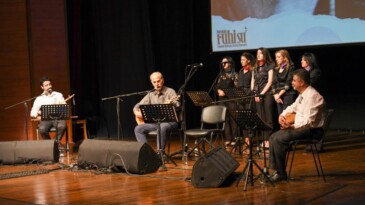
<point>22,152</point>
<point>212,169</point>
<point>134,157</point>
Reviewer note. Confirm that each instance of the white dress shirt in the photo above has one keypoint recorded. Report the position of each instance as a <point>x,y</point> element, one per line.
<point>43,99</point>
<point>308,108</point>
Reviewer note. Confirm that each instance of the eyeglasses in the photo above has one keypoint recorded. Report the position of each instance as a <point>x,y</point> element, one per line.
<point>224,63</point>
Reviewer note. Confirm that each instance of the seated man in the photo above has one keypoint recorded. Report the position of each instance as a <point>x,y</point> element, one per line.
<point>48,97</point>
<point>160,95</point>
<point>307,123</point>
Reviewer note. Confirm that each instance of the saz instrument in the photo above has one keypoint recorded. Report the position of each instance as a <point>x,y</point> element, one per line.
<point>71,96</point>
<point>140,120</point>
<point>290,118</point>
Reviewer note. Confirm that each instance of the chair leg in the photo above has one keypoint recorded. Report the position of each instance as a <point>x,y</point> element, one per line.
<point>85,130</point>
<point>195,146</point>
<point>314,159</point>
<point>319,162</point>
<point>200,141</point>
<point>292,159</point>
<point>287,156</point>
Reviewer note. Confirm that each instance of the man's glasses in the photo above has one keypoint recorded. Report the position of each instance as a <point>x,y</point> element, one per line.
<point>224,63</point>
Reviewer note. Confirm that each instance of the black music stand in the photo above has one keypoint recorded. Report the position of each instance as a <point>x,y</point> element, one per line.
<point>249,120</point>
<point>157,113</point>
<point>240,97</point>
<point>200,98</point>
<point>55,113</point>
<point>237,93</point>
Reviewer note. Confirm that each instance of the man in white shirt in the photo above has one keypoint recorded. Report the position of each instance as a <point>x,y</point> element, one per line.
<point>308,108</point>
<point>48,97</point>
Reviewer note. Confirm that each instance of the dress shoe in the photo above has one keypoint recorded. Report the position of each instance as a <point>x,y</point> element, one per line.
<point>276,177</point>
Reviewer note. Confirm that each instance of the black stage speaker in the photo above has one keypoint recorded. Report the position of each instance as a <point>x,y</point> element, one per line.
<point>22,152</point>
<point>137,157</point>
<point>213,168</point>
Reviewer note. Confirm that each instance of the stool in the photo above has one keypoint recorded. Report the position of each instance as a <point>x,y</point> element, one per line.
<point>83,123</point>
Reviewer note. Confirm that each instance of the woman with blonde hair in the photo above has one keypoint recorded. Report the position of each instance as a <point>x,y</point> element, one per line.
<point>284,94</point>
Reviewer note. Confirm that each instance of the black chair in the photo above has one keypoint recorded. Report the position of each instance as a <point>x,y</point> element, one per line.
<point>212,123</point>
<point>327,117</point>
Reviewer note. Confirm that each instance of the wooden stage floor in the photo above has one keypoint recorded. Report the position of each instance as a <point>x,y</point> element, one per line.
<point>343,162</point>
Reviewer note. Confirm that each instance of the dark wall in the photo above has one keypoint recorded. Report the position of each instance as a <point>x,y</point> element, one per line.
<point>115,45</point>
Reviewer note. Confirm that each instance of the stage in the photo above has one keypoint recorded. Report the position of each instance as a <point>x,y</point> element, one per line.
<point>62,183</point>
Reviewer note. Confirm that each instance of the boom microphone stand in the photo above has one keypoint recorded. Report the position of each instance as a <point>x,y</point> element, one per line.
<point>25,103</point>
<point>216,79</point>
<point>181,92</point>
<point>119,98</point>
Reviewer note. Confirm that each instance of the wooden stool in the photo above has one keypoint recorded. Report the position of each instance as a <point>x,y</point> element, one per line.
<point>83,123</point>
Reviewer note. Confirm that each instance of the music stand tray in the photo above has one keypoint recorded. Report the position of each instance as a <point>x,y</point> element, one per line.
<point>55,112</point>
<point>200,98</point>
<point>250,120</point>
<point>237,93</point>
<point>157,113</point>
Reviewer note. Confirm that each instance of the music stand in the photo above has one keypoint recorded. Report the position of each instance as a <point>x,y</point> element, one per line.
<point>157,113</point>
<point>200,98</point>
<point>55,113</point>
<point>249,120</point>
<point>240,97</point>
<point>237,93</point>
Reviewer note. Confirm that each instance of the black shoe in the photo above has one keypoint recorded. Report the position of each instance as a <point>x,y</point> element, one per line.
<point>278,177</point>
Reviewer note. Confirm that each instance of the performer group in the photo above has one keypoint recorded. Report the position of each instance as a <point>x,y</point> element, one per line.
<point>278,91</point>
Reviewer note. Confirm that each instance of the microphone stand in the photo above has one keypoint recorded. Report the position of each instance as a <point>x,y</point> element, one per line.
<point>25,112</point>
<point>118,97</point>
<point>215,80</point>
<point>181,92</point>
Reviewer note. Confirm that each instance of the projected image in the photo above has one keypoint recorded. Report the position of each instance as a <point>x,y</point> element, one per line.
<point>250,24</point>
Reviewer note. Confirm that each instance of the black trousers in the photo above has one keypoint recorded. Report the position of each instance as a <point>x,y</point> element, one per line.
<point>265,109</point>
<point>279,144</point>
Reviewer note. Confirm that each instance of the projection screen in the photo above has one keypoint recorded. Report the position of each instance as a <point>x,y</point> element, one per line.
<point>250,24</point>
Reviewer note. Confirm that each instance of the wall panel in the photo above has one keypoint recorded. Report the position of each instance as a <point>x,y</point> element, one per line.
<point>33,43</point>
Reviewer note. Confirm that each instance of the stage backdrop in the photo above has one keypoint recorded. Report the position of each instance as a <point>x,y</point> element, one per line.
<point>249,24</point>
<point>115,45</point>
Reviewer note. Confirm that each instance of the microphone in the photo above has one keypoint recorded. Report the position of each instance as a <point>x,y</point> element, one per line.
<point>281,88</point>
<point>196,65</point>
